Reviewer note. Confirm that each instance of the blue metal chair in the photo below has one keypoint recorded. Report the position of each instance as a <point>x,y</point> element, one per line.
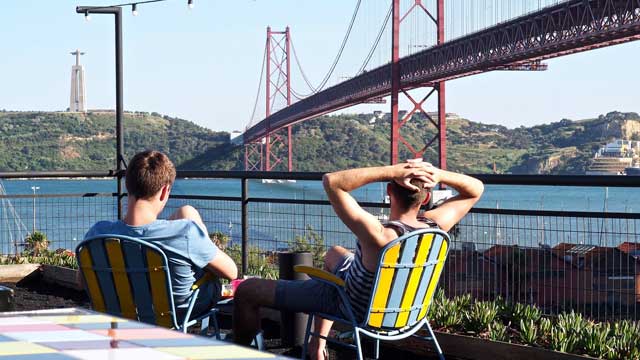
<point>405,282</point>
<point>130,278</point>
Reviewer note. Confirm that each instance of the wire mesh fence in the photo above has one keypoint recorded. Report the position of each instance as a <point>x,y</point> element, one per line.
<point>64,218</point>
<point>560,261</point>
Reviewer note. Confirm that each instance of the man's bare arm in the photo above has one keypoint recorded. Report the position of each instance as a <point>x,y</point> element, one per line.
<point>453,210</point>
<point>338,185</point>
<point>223,266</point>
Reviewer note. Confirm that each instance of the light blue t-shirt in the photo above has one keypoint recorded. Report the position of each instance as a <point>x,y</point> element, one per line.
<point>187,247</point>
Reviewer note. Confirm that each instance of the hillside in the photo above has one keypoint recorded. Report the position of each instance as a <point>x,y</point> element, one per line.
<point>66,141</point>
<point>33,141</point>
<point>343,141</point>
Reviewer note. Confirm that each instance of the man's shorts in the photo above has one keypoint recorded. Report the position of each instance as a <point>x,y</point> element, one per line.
<point>312,296</point>
<point>209,295</point>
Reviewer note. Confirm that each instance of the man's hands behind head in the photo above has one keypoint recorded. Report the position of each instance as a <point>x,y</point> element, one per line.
<point>426,175</point>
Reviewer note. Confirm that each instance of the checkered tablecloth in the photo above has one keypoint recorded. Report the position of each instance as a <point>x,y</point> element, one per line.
<point>83,334</point>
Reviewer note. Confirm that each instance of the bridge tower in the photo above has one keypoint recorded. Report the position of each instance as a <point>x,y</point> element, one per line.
<point>397,88</point>
<point>266,154</point>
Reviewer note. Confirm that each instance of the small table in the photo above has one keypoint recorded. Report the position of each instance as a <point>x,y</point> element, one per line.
<point>84,334</point>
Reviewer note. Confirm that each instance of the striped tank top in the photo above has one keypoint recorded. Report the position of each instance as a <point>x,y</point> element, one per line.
<point>359,280</point>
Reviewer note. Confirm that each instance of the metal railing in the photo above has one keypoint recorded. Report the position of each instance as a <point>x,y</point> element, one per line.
<point>558,260</point>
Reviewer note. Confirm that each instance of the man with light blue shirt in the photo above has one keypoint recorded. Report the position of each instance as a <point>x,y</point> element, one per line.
<point>183,236</point>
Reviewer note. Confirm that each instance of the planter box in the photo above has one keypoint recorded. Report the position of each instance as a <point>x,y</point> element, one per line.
<point>17,272</point>
<point>69,278</point>
<point>472,348</point>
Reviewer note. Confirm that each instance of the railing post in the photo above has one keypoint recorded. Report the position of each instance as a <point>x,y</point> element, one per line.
<point>119,109</point>
<point>245,226</point>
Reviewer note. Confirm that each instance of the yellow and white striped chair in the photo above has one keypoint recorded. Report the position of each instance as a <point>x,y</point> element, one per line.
<point>405,282</point>
<point>129,277</point>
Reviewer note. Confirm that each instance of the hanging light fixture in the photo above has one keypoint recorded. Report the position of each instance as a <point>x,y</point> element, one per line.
<point>134,9</point>
<point>87,17</point>
<point>190,4</point>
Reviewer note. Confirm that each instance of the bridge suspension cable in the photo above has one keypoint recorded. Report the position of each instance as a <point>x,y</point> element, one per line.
<point>325,80</point>
<point>304,75</point>
<point>255,105</point>
<point>376,42</point>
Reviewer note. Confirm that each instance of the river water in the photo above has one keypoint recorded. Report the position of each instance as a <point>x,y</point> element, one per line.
<point>66,219</point>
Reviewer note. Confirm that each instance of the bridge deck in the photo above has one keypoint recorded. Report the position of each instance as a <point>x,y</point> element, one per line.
<point>570,27</point>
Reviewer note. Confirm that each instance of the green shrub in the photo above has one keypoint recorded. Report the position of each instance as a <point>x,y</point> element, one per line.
<point>36,244</point>
<point>311,242</point>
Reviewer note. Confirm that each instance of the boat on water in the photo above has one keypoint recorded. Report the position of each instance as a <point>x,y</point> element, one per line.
<point>277,181</point>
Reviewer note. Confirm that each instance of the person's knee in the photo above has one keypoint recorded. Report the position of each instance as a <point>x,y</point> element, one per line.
<point>333,256</point>
<point>256,292</point>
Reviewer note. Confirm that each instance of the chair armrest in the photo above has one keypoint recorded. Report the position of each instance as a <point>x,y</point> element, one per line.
<point>203,280</point>
<point>319,274</point>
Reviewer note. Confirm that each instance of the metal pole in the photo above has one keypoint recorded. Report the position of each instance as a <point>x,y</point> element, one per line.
<point>289,135</point>
<point>34,188</point>
<point>442,114</point>
<point>119,109</point>
<point>33,229</point>
<point>245,226</point>
<point>117,12</point>
<point>267,156</point>
<point>395,82</point>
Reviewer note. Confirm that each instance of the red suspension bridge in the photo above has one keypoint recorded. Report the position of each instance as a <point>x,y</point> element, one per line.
<point>502,39</point>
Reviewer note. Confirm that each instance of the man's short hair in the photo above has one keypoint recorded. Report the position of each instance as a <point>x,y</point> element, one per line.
<point>147,173</point>
<point>407,198</point>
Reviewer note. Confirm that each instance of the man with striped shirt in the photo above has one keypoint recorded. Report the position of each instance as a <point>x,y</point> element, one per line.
<point>409,186</point>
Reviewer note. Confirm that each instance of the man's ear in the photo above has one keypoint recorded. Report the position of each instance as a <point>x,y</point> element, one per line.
<point>164,192</point>
<point>427,198</point>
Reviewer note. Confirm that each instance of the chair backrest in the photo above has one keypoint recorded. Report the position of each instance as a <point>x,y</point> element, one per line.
<point>408,273</point>
<point>127,277</point>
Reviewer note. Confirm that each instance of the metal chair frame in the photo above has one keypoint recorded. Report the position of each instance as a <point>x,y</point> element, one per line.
<point>182,325</point>
<point>388,334</point>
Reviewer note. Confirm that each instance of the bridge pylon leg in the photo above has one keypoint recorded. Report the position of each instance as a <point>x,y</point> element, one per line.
<point>253,158</point>
<point>397,122</point>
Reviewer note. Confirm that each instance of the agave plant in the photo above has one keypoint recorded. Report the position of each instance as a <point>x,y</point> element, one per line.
<point>445,314</point>
<point>498,332</point>
<point>528,332</point>
<point>573,323</point>
<point>480,316</point>
<point>626,340</point>
<point>462,302</point>
<point>544,328</point>
<point>525,312</point>
<point>596,340</point>
<point>562,340</point>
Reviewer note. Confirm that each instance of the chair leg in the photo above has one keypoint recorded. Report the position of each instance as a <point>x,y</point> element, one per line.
<point>435,341</point>
<point>356,334</point>
<point>307,334</point>
<point>216,327</point>
<point>377,350</point>
<point>258,341</point>
<point>204,326</point>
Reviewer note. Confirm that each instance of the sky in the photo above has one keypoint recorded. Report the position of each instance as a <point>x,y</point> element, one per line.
<point>203,64</point>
